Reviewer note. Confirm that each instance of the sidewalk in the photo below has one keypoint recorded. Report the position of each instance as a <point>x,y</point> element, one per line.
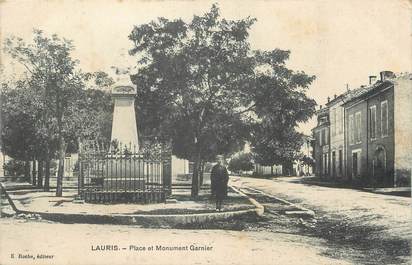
<point>182,210</point>
<point>396,191</point>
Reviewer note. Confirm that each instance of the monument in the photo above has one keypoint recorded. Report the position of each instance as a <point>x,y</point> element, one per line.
<point>127,172</point>
<point>124,126</point>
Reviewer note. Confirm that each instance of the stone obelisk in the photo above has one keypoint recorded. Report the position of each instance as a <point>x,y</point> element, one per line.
<point>124,127</point>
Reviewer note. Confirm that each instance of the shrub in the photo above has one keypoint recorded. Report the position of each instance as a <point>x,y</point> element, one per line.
<point>14,168</point>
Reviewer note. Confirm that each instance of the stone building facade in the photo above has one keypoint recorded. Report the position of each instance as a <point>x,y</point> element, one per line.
<point>375,135</point>
<point>370,134</point>
<point>337,139</point>
<point>321,148</point>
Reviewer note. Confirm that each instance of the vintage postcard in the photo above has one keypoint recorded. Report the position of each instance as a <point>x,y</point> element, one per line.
<point>205,132</point>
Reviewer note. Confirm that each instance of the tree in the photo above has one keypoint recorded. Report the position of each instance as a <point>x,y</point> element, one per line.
<point>18,132</point>
<point>53,74</point>
<point>241,162</point>
<point>25,138</point>
<point>61,108</point>
<point>200,85</point>
<point>275,146</point>
<point>94,111</point>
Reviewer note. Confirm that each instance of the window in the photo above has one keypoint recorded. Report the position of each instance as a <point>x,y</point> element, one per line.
<point>338,120</point>
<point>326,135</point>
<point>323,137</point>
<point>358,129</point>
<point>372,122</point>
<point>340,162</point>
<point>325,164</point>
<point>320,138</point>
<point>351,130</point>
<point>333,122</point>
<point>384,118</point>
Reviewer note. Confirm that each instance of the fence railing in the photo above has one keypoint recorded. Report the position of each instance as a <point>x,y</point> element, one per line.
<point>124,175</point>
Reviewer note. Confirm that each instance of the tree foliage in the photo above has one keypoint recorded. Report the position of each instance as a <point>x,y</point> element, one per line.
<point>52,101</point>
<point>241,162</point>
<point>201,85</point>
<point>19,136</point>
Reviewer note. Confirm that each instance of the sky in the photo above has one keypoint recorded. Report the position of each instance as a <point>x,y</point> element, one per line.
<point>341,42</point>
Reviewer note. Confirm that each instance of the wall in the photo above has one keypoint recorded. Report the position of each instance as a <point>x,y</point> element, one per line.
<point>377,176</point>
<point>179,166</point>
<point>322,148</point>
<point>358,106</point>
<point>266,170</point>
<point>337,141</point>
<point>403,130</point>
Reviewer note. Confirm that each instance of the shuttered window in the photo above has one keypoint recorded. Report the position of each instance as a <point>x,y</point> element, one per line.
<point>384,118</point>
<point>372,122</point>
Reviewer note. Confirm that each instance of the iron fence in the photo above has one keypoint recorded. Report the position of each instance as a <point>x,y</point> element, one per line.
<point>124,174</point>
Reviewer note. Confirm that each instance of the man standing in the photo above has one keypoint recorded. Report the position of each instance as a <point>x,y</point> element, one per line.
<point>219,178</point>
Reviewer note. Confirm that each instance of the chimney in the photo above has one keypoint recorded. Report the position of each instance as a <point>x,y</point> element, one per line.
<point>320,106</point>
<point>386,74</point>
<point>334,96</point>
<point>372,79</point>
<point>347,87</point>
<point>328,99</point>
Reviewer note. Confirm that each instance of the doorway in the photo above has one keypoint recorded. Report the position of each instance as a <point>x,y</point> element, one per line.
<point>355,171</point>
<point>380,166</point>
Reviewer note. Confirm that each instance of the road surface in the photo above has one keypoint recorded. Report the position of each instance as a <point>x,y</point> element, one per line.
<point>80,243</point>
<point>357,226</point>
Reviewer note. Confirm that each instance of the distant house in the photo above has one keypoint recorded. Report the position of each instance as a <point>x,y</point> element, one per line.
<point>276,170</point>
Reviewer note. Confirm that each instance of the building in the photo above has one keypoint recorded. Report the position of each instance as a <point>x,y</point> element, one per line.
<point>379,135</point>
<point>370,140</point>
<point>321,148</point>
<point>338,126</point>
<point>179,167</point>
<point>275,170</point>
<point>370,131</point>
<point>337,135</point>
<point>403,129</point>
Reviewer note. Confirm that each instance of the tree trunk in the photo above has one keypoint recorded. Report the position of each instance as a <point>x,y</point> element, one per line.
<point>34,173</point>
<point>27,170</point>
<point>40,174</point>
<point>47,173</point>
<point>195,178</point>
<point>60,171</point>
<point>271,170</point>
<point>202,167</point>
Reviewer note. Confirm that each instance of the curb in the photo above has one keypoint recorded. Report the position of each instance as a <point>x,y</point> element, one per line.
<point>150,220</point>
<point>302,211</point>
<point>338,185</point>
<point>259,207</point>
<point>144,220</point>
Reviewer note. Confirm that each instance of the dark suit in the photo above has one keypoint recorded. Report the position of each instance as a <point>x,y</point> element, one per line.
<point>219,178</point>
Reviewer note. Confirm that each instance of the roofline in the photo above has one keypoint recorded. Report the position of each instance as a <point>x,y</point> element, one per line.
<point>333,101</point>
<point>383,85</point>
